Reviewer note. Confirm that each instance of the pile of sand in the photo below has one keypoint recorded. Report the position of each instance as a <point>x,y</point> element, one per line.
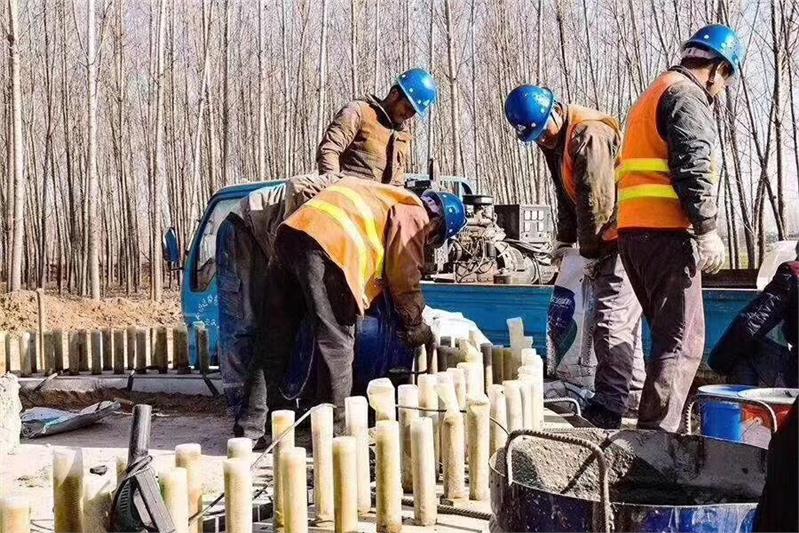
<point>18,312</point>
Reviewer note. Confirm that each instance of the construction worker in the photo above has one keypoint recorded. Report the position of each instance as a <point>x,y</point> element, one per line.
<point>667,214</point>
<point>334,256</point>
<point>580,147</point>
<point>745,353</point>
<point>370,138</point>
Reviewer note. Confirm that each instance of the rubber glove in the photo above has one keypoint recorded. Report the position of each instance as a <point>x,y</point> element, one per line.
<point>420,335</point>
<point>590,268</point>
<point>559,249</point>
<point>712,252</point>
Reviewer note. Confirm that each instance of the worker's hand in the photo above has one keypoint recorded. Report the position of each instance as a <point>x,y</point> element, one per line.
<point>711,252</point>
<point>559,249</point>
<point>420,335</point>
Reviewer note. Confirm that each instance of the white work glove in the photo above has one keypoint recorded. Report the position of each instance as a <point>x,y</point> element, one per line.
<point>711,252</point>
<point>559,249</point>
<point>590,268</point>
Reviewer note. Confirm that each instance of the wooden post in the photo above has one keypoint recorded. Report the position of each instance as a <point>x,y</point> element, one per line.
<point>13,355</point>
<point>49,353</point>
<point>508,365</point>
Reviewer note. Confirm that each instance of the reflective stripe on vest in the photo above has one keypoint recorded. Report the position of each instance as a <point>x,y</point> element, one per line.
<point>647,198</point>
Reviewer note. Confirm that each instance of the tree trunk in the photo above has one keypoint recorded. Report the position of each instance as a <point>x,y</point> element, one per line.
<point>15,281</point>
<point>93,198</point>
<point>158,161</point>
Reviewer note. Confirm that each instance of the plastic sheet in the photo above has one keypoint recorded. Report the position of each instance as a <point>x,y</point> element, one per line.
<point>43,421</point>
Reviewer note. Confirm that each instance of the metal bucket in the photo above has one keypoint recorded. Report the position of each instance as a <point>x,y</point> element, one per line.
<point>655,481</point>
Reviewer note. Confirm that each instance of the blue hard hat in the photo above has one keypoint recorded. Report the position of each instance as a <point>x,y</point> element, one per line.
<point>528,108</point>
<point>453,210</point>
<point>419,88</point>
<point>721,40</point>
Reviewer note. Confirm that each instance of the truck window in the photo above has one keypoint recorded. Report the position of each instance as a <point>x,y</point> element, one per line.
<point>205,265</point>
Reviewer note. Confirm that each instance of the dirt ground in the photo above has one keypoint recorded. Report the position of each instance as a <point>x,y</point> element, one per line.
<point>18,311</point>
<point>28,471</point>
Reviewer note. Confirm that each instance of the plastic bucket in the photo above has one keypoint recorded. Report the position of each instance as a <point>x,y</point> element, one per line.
<point>720,418</point>
<point>779,399</point>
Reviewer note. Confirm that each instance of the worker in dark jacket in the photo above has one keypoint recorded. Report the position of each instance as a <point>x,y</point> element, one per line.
<point>335,255</point>
<point>667,214</point>
<point>580,146</point>
<point>744,355</point>
<point>370,138</point>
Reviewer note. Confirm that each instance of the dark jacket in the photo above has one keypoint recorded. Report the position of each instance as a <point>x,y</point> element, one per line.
<point>362,141</point>
<point>778,304</point>
<point>686,122</point>
<point>594,146</point>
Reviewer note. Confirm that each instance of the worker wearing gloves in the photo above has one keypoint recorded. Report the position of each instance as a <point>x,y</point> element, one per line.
<point>667,214</point>
<point>334,256</point>
<point>745,353</point>
<point>580,147</point>
<point>370,138</point>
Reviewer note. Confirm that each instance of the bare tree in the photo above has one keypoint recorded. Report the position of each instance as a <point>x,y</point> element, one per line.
<point>18,200</point>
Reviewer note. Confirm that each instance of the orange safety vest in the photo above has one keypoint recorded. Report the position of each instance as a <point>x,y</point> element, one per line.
<point>647,198</point>
<point>348,220</point>
<point>576,114</point>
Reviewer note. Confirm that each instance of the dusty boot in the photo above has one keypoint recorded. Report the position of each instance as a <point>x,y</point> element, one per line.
<point>601,417</point>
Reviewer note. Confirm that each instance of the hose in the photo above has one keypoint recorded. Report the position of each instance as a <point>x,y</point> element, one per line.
<point>596,451</point>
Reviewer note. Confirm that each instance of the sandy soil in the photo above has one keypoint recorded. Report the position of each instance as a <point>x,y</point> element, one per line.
<point>18,311</point>
<point>28,471</point>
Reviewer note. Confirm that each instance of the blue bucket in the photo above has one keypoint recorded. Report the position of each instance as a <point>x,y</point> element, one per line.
<point>719,418</point>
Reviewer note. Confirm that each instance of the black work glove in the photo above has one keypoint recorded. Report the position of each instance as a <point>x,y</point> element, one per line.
<point>420,335</point>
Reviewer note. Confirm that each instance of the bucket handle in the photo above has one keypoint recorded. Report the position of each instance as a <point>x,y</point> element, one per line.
<point>596,452</point>
<point>710,396</point>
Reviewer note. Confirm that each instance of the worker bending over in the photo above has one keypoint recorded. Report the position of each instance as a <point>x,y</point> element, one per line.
<point>334,256</point>
<point>667,214</point>
<point>745,354</point>
<point>580,147</point>
<point>370,138</point>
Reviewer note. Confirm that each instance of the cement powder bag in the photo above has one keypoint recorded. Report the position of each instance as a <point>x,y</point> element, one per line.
<point>10,407</point>
<point>570,351</point>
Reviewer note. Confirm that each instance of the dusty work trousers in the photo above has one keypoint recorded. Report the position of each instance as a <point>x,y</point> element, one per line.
<point>616,336</point>
<point>663,272</point>
<point>307,285</point>
<point>240,263</point>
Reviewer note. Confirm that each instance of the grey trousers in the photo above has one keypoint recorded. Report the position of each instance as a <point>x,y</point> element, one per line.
<point>663,272</point>
<point>616,336</point>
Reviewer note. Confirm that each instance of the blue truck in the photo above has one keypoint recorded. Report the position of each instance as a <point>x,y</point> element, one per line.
<point>488,305</point>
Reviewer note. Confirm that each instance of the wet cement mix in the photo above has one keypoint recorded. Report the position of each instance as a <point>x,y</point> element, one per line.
<point>659,479</point>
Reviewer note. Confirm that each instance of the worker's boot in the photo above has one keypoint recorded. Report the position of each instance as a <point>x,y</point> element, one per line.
<point>601,417</point>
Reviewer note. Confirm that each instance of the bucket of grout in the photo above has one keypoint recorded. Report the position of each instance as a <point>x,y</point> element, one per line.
<point>779,399</point>
<point>722,418</point>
